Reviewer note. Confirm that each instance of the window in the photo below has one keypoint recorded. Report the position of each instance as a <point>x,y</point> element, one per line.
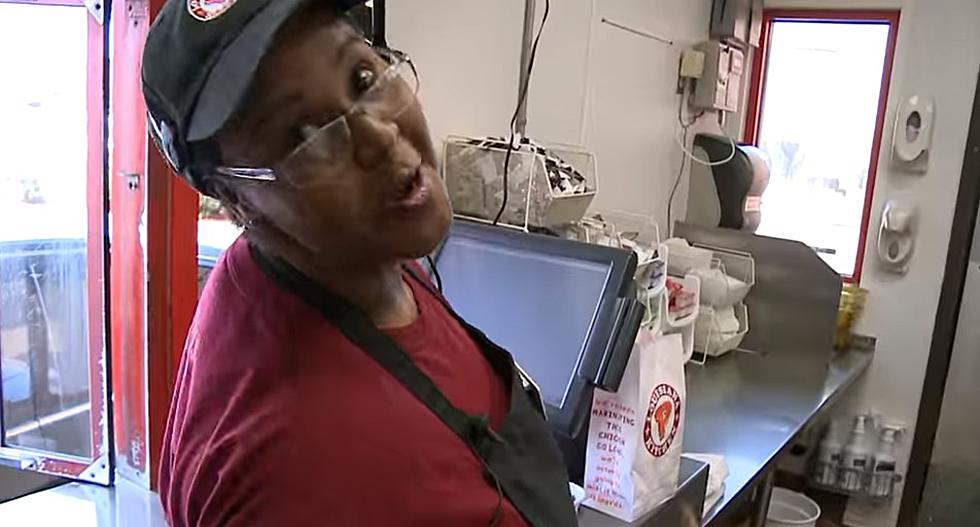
<point>215,233</point>
<point>54,417</point>
<point>56,412</point>
<point>817,110</point>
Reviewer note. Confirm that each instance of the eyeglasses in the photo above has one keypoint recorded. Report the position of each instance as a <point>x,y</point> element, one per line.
<point>329,146</point>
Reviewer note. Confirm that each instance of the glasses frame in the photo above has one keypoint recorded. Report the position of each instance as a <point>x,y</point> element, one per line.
<point>395,59</point>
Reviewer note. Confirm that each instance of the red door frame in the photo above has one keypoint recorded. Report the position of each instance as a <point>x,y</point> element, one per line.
<point>160,276</point>
<point>146,344</point>
<point>172,290</point>
<point>753,114</point>
<point>127,207</point>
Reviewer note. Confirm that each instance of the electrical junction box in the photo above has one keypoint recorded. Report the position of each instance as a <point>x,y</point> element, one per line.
<point>737,21</point>
<point>720,86</point>
<point>692,64</point>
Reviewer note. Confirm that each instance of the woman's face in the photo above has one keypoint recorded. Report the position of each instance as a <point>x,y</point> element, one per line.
<point>381,199</point>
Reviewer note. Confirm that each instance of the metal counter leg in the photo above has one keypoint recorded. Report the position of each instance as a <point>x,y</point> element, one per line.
<point>763,493</point>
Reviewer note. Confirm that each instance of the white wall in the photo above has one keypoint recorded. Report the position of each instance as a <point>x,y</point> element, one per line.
<point>593,85</point>
<point>938,54</point>
<point>614,93</point>
<point>466,52</point>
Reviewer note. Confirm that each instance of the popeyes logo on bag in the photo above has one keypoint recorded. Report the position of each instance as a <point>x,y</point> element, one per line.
<point>663,419</point>
<point>205,10</point>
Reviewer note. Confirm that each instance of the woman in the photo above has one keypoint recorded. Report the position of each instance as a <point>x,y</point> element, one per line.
<point>323,381</point>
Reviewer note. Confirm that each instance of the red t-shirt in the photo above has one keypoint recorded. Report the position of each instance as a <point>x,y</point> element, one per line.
<point>278,419</point>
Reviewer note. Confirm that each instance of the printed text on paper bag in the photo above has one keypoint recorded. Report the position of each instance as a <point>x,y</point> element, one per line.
<point>611,442</point>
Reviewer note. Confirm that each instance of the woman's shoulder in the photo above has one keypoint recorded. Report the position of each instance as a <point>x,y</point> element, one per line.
<point>243,318</point>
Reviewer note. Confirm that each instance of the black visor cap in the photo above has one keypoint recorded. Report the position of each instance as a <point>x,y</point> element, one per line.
<point>198,63</point>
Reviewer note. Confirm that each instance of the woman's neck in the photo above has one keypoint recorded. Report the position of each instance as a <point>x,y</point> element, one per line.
<point>378,290</point>
<point>381,292</point>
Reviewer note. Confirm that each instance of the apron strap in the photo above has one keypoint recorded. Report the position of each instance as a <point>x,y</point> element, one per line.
<point>523,443</point>
<point>503,362</point>
<point>475,430</point>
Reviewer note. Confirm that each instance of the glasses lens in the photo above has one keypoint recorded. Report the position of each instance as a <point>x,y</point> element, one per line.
<point>394,92</point>
<point>323,151</point>
<point>330,145</point>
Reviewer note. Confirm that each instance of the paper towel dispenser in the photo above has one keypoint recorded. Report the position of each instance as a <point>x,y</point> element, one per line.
<point>912,137</point>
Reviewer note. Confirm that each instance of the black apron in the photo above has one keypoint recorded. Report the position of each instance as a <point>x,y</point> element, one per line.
<point>521,459</point>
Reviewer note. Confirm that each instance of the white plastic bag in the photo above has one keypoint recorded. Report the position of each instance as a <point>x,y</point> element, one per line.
<point>634,450</point>
<point>720,290</point>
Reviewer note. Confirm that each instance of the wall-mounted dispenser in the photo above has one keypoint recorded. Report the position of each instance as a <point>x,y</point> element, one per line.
<point>896,237</point>
<point>912,138</point>
<point>720,85</point>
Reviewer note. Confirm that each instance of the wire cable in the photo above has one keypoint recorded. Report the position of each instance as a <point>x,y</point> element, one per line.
<point>435,271</point>
<point>680,171</point>
<point>498,510</point>
<point>503,199</point>
<point>521,100</point>
<point>685,124</point>
<point>681,142</point>
<point>673,189</point>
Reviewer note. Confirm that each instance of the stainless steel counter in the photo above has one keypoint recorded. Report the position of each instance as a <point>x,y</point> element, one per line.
<point>86,505</point>
<point>14,483</point>
<point>749,409</point>
<point>682,510</point>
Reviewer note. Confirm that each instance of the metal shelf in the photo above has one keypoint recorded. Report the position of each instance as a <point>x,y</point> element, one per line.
<point>876,488</point>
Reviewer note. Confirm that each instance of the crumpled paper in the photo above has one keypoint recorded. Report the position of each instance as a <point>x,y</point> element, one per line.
<point>473,179</point>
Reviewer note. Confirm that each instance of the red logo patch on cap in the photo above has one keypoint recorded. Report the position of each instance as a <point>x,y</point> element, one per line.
<point>205,10</point>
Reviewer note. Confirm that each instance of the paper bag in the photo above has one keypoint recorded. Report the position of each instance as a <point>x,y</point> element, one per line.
<point>634,449</point>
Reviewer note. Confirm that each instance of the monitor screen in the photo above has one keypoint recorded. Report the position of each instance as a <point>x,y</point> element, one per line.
<point>540,306</point>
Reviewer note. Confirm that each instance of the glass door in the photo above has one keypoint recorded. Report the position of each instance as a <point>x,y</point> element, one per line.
<point>54,417</point>
<point>952,490</point>
<point>820,114</point>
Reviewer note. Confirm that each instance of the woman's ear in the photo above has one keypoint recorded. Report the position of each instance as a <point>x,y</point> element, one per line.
<point>272,239</point>
<point>227,193</point>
